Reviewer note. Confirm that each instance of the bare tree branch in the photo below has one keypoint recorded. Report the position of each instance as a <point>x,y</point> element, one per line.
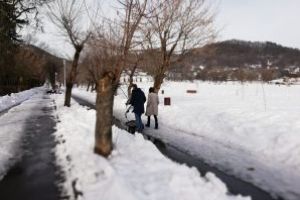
<point>174,27</point>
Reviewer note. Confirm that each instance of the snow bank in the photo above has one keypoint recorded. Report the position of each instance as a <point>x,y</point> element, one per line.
<point>136,170</point>
<point>13,99</point>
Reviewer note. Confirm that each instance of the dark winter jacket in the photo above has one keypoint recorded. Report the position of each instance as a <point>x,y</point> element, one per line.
<point>137,100</point>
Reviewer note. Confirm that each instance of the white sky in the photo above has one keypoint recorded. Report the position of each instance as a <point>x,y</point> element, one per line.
<point>254,20</point>
<point>260,20</point>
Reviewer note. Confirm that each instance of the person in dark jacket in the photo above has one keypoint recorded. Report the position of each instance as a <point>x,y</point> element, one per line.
<point>137,100</point>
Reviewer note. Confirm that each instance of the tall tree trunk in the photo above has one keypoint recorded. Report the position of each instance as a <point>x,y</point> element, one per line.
<point>20,82</point>
<point>131,80</point>
<point>129,87</point>
<point>158,80</point>
<point>88,86</point>
<point>160,75</point>
<point>71,78</point>
<point>104,109</point>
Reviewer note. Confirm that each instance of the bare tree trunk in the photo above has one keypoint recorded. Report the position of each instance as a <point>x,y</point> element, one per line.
<point>104,108</point>
<point>72,77</point>
<point>158,80</point>
<point>88,86</point>
<point>160,74</point>
<point>19,89</point>
<point>131,79</point>
<point>93,87</point>
<point>129,87</point>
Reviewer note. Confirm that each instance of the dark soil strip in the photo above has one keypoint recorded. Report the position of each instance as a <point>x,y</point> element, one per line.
<point>83,102</point>
<point>36,176</point>
<point>235,185</point>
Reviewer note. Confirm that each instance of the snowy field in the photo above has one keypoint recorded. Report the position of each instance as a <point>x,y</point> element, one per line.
<point>249,130</point>
<point>135,170</point>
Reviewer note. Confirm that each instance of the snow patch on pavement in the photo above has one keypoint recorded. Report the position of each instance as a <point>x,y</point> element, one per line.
<point>13,99</point>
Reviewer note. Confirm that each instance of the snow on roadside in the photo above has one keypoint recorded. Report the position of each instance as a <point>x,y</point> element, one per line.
<point>13,99</point>
<point>12,126</point>
<point>248,130</point>
<point>136,170</point>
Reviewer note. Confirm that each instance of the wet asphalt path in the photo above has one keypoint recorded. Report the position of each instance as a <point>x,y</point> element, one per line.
<point>35,176</point>
<point>235,185</point>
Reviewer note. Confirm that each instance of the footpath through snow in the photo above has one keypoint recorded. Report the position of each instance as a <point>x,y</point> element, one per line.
<point>12,125</point>
<point>27,163</point>
<point>248,130</point>
<point>136,170</point>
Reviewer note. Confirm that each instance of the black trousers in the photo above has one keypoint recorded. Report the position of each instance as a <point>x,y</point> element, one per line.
<point>156,122</point>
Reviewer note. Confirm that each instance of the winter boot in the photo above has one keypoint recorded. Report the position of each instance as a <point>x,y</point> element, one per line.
<point>156,122</point>
<point>148,122</point>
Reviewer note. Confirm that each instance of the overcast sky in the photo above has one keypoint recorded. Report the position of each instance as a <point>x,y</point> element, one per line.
<point>260,20</point>
<point>254,20</point>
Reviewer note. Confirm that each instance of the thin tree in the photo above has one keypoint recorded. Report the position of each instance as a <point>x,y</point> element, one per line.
<point>135,59</point>
<point>68,16</point>
<point>130,73</point>
<point>175,27</point>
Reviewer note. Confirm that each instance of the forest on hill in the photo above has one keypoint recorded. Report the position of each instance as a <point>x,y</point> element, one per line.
<point>239,60</point>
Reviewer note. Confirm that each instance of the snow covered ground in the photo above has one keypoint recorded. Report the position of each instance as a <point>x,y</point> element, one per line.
<point>286,81</point>
<point>13,99</point>
<point>249,130</point>
<point>12,125</point>
<point>136,170</point>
